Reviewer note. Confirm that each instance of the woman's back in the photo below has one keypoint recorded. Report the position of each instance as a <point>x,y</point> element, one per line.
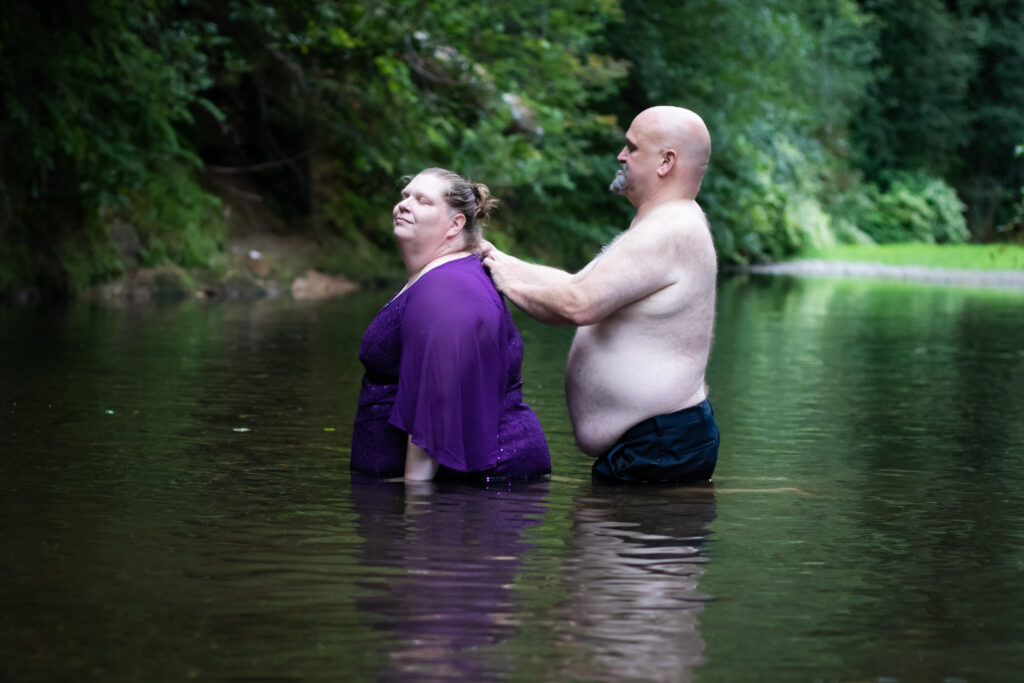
<point>443,363</point>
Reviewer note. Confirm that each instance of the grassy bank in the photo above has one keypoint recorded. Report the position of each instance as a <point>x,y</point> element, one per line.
<point>951,256</point>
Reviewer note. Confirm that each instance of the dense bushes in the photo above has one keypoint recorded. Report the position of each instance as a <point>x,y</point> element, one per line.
<point>831,121</point>
<point>915,207</point>
<point>97,99</point>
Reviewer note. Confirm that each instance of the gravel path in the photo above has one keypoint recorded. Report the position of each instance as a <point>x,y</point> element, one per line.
<point>998,279</point>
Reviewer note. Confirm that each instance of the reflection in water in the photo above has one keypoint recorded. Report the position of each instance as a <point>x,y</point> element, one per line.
<point>635,557</point>
<point>450,554</point>
<point>177,505</point>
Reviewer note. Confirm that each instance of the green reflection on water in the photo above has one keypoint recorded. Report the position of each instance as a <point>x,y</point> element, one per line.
<point>866,520</point>
<point>893,408</point>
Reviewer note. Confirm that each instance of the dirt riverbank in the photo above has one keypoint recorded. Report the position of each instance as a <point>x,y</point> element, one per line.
<point>257,265</point>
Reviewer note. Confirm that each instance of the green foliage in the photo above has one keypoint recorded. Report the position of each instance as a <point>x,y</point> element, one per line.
<point>997,100</point>
<point>919,114</point>
<point>831,121</point>
<point>499,94</point>
<point>775,85</point>
<point>178,222</point>
<point>949,99</point>
<point>913,207</point>
<point>1015,224</point>
<point>92,123</point>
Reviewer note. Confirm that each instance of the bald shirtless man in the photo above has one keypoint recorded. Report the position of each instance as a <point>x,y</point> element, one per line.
<point>645,309</point>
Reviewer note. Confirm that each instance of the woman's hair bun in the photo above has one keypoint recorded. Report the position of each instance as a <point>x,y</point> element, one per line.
<point>484,201</point>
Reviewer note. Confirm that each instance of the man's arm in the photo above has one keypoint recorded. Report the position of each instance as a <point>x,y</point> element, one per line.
<point>632,267</point>
<point>513,268</point>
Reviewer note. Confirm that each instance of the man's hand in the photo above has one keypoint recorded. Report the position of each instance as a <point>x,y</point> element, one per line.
<point>504,269</point>
<point>484,248</point>
<point>539,291</point>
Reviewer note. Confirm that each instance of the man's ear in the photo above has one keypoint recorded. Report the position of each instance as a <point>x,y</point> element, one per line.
<point>668,162</point>
<point>455,227</point>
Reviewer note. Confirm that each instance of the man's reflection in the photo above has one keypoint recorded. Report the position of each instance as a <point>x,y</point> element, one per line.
<point>635,558</point>
<point>444,557</point>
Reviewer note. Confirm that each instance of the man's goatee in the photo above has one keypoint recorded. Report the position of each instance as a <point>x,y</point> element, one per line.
<point>619,182</point>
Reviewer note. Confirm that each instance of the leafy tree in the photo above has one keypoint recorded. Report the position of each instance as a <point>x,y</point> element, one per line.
<point>830,120</point>
<point>949,100</point>
<point>93,95</point>
<point>775,82</point>
<point>918,116</point>
<point>349,97</point>
<point>996,99</point>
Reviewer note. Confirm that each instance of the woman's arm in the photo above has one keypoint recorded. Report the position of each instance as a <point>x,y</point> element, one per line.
<point>418,465</point>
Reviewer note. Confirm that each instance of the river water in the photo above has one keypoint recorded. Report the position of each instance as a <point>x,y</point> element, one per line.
<point>176,504</point>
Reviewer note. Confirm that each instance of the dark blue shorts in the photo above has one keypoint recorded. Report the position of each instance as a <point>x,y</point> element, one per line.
<point>678,447</point>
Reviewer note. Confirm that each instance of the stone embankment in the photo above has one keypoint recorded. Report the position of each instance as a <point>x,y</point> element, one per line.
<point>256,266</point>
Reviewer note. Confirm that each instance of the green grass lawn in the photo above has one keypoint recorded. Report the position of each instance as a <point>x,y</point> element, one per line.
<point>957,256</point>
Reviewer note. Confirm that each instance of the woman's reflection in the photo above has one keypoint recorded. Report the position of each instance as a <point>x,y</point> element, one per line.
<point>444,557</point>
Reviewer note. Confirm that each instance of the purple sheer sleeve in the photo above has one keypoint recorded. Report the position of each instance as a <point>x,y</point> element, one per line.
<point>452,370</point>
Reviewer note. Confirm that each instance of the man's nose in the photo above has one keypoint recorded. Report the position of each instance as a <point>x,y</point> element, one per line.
<point>622,155</point>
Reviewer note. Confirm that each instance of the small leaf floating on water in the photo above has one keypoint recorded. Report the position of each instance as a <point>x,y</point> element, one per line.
<point>328,429</point>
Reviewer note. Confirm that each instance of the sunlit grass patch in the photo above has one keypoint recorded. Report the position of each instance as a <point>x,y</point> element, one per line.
<point>956,256</point>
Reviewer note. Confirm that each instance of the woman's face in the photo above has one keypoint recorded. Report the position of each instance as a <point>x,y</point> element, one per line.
<point>423,215</point>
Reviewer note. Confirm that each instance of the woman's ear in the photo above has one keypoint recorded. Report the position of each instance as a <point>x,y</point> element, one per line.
<point>455,226</point>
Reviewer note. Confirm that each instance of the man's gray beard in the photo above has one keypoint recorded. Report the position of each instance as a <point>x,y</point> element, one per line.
<point>620,182</point>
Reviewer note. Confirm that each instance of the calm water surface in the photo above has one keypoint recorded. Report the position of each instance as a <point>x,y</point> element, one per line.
<point>176,504</point>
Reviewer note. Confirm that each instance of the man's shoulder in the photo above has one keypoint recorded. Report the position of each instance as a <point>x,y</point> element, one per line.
<point>670,223</point>
<point>676,215</point>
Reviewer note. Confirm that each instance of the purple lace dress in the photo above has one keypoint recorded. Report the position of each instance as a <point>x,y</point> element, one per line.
<point>442,363</point>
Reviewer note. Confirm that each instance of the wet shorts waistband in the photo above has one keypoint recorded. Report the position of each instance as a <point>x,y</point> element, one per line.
<point>693,414</point>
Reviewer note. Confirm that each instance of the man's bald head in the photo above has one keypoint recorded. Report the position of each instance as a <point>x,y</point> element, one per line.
<point>678,133</point>
<point>684,130</point>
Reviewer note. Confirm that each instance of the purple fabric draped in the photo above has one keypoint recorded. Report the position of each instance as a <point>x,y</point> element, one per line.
<point>442,363</point>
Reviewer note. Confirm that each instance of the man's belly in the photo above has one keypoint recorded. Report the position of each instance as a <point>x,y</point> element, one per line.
<point>610,388</point>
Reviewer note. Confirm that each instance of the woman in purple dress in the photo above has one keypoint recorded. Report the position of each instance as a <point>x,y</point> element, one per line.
<point>442,394</point>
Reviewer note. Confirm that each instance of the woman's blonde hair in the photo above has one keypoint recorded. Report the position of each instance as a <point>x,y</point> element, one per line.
<point>472,200</point>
